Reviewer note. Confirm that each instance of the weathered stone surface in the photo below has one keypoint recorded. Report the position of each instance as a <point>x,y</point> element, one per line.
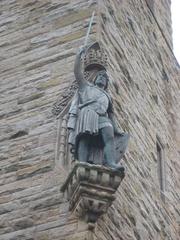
<point>138,68</point>
<point>90,190</point>
<point>38,42</point>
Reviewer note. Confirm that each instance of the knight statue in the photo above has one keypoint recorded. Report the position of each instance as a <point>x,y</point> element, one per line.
<point>93,131</point>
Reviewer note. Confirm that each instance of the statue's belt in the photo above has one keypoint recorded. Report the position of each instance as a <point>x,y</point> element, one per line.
<point>86,104</point>
<point>81,106</point>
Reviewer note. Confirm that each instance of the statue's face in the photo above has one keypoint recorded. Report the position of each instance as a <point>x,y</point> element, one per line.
<point>101,81</point>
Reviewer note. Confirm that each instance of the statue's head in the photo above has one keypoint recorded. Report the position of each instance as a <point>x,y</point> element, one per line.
<point>102,79</point>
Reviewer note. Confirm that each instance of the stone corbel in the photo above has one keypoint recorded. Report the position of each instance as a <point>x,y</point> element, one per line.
<point>90,190</point>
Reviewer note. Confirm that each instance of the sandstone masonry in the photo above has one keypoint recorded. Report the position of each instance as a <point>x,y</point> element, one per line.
<point>38,42</point>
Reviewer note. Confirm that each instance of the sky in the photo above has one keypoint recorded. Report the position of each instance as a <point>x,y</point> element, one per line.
<point>175,11</point>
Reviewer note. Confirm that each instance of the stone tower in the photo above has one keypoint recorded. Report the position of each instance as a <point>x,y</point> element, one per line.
<point>38,42</point>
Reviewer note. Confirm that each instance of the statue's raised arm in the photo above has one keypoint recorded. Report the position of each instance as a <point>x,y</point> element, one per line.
<point>78,70</point>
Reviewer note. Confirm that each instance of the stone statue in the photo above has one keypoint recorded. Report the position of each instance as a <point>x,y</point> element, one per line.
<point>93,132</point>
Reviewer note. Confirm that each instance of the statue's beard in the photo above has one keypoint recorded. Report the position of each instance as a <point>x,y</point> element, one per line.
<point>100,85</point>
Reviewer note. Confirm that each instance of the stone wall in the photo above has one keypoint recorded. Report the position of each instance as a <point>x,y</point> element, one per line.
<point>145,86</point>
<point>38,42</point>
<point>161,15</point>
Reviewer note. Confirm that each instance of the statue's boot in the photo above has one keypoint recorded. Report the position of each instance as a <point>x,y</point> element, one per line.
<point>115,166</point>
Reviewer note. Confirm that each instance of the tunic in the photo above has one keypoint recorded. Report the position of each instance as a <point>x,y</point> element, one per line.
<point>89,112</point>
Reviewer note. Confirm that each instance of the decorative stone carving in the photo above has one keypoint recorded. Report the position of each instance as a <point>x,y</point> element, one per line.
<point>63,102</point>
<point>90,190</point>
<point>95,57</point>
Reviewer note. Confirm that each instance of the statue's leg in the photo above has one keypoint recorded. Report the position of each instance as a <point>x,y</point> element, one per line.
<point>109,148</point>
<point>83,149</point>
<point>108,140</point>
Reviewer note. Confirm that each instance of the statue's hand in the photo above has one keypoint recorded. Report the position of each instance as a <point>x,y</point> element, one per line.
<point>117,131</point>
<point>81,50</point>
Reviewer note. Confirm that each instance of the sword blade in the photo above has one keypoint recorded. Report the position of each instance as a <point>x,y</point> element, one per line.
<point>89,29</point>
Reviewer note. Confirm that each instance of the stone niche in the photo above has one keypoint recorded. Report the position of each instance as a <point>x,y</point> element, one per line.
<point>90,190</point>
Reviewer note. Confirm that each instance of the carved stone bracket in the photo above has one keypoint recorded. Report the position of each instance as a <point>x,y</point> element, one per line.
<point>90,190</point>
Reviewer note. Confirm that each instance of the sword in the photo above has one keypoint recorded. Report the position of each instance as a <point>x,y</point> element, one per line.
<point>89,29</point>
